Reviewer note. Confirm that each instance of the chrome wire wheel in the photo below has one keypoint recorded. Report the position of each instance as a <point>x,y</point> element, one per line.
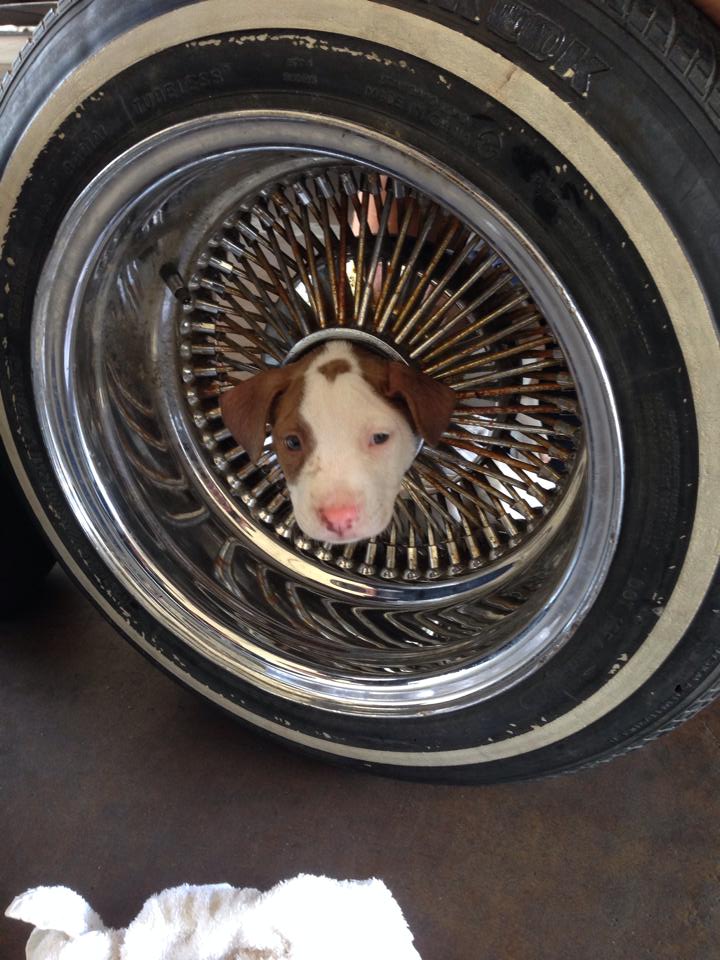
<point>271,231</point>
<point>349,252</point>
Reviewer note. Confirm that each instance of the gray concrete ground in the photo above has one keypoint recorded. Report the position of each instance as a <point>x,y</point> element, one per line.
<point>117,782</point>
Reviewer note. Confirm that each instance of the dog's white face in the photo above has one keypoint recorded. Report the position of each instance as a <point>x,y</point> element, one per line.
<point>345,426</point>
<point>344,450</point>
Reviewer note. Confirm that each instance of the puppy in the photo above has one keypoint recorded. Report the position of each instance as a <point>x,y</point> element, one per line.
<point>345,426</point>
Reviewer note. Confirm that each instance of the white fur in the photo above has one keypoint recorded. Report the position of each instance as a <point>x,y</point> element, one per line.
<point>345,466</point>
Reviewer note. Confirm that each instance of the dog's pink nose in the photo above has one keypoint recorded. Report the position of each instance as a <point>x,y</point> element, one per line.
<point>339,517</point>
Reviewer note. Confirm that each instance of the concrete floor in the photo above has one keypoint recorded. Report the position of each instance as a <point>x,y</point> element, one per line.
<point>117,782</point>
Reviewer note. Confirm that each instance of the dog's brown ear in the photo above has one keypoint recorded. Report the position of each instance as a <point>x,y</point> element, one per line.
<point>430,402</point>
<point>246,408</point>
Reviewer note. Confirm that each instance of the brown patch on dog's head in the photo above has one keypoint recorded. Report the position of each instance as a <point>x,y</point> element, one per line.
<point>249,406</point>
<point>333,369</point>
<point>427,403</point>
<point>287,421</point>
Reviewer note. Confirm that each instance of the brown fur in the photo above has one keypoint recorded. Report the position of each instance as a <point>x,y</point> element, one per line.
<point>334,368</point>
<point>427,403</point>
<point>286,420</point>
<point>247,408</point>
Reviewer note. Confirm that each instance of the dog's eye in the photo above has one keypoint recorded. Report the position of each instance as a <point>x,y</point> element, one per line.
<point>380,438</point>
<point>293,442</point>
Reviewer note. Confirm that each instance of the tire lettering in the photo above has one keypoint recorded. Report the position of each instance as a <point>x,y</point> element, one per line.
<point>309,79</point>
<point>84,148</point>
<point>300,70</point>
<point>173,90</point>
<point>418,103</point>
<point>546,41</point>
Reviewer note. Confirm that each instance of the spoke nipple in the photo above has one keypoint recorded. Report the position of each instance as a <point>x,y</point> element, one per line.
<point>234,482</point>
<point>302,195</point>
<point>324,552</point>
<point>175,283</point>
<point>547,473</point>
<point>566,404</point>
<point>284,528</point>
<point>268,512</point>
<point>247,231</point>
<point>345,561</point>
<point>348,184</point>
<point>325,188</point>
<point>373,183</point>
<point>263,216</point>
<point>563,428</point>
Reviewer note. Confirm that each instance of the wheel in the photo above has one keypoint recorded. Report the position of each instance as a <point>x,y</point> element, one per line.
<point>520,199</point>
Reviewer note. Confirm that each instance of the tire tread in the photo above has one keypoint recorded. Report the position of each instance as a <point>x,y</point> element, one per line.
<point>688,23</point>
<point>26,52</point>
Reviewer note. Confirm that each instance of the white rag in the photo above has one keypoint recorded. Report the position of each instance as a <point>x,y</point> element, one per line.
<point>307,918</point>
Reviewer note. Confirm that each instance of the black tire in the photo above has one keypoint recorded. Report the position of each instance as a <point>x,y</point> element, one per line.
<point>596,128</point>
<point>26,559</point>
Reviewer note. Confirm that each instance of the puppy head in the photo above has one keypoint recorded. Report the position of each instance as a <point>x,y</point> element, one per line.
<point>345,424</point>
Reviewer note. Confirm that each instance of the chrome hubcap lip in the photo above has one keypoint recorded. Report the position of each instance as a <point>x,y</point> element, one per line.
<point>362,338</point>
<point>132,188</point>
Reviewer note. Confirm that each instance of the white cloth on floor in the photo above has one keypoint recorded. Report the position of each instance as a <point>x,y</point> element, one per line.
<point>307,918</point>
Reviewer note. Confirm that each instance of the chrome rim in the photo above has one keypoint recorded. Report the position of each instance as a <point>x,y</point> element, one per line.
<point>272,231</point>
